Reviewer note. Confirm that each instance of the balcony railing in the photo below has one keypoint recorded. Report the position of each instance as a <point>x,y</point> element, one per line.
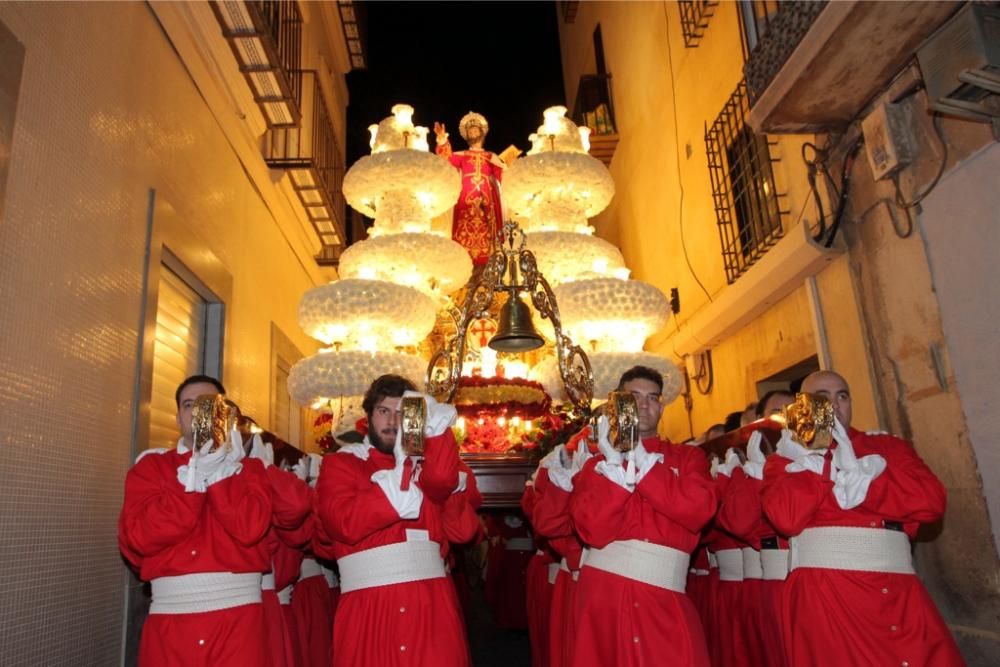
<point>266,38</point>
<point>814,65</point>
<point>595,108</point>
<point>310,153</point>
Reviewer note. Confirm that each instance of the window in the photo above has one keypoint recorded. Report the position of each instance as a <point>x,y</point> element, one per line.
<point>288,419</point>
<point>694,19</point>
<point>755,17</point>
<point>743,188</point>
<point>188,342</point>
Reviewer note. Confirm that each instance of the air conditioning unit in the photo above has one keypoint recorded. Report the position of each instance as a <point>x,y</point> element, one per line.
<point>960,63</point>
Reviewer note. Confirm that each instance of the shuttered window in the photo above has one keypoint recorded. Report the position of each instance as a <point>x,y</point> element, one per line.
<point>179,351</point>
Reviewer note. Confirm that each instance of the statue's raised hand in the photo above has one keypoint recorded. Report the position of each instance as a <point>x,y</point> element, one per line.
<point>440,132</point>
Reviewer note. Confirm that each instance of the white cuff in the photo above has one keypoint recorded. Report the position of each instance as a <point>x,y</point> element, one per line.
<point>811,462</point>
<point>406,503</point>
<point>851,486</point>
<point>615,473</point>
<point>463,482</point>
<point>754,469</point>
<point>562,478</point>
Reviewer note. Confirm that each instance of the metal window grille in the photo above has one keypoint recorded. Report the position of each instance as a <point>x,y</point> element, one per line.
<point>756,17</point>
<point>746,202</point>
<point>694,19</point>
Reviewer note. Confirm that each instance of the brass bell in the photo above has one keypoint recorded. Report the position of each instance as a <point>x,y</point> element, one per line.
<point>516,333</point>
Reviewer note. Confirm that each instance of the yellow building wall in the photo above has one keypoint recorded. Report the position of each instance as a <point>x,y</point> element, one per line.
<point>106,111</point>
<point>663,203</point>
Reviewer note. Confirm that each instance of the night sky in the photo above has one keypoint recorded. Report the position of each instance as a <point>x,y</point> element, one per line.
<point>447,58</point>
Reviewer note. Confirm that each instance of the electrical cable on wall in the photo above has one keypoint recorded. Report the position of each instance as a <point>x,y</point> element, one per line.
<point>936,124</point>
<point>677,155</point>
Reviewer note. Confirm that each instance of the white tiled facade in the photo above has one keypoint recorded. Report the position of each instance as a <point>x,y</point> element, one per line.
<point>106,112</point>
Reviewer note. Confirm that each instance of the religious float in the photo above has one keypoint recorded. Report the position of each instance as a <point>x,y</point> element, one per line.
<point>523,344</point>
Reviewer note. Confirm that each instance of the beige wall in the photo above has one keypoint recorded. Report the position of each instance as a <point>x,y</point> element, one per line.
<point>910,322</point>
<point>654,200</point>
<point>106,112</point>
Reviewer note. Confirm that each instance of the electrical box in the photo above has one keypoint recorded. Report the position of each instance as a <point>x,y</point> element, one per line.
<point>960,63</point>
<point>888,139</point>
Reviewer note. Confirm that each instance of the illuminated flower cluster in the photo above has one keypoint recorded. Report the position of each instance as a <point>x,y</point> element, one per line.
<point>501,396</point>
<point>432,264</point>
<point>608,368</point>
<point>557,191</point>
<point>362,313</point>
<point>328,375</point>
<point>618,315</point>
<point>566,256</point>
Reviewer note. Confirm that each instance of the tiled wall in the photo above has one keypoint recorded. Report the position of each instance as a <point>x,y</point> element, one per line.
<point>106,112</point>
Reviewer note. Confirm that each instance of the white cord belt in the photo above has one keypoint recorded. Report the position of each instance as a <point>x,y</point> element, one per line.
<point>553,572</point>
<point>331,577</point>
<point>519,544</point>
<point>309,568</point>
<point>855,549</point>
<point>730,564</point>
<point>563,565</point>
<point>645,562</point>
<point>751,564</point>
<point>267,582</point>
<point>204,591</point>
<point>397,563</point>
<point>285,595</point>
<point>774,563</point>
<point>712,560</point>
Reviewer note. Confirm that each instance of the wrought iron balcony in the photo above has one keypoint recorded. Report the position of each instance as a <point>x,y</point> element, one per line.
<point>266,38</point>
<point>310,153</point>
<point>595,108</point>
<point>813,66</point>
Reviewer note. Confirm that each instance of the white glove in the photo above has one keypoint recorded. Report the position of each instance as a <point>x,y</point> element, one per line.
<point>615,473</point>
<point>406,503</point>
<point>852,476</point>
<point>301,468</point>
<point>553,459</point>
<point>754,467</point>
<point>463,482</point>
<point>440,416</point>
<point>611,455</point>
<point>262,450</point>
<point>731,463</point>
<point>644,461</point>
<point>802,458</point>
<point>206,467</point>
<point>580,457</point>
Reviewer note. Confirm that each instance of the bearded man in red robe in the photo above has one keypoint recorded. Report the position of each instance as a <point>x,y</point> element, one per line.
<point>477,218</point>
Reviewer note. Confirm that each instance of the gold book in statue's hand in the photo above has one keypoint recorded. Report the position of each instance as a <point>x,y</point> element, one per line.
<point>412,419</point>
<point>810,419</point>
<point>213,418</point>
<point>623,419</point>
<point>510,154</point>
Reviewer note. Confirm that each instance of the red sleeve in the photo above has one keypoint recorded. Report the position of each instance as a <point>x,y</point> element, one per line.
<point>351,506</point>
<point>686,497</point>
<point>740,512</point>
<point>528,502</point>
<point>300,537</point>
<point>791,499</point>
<point>550,516</point>
<point>596,505</point>
<point>444,150</point>
<point>439,470</point>
<point>289,498</point>
<point>460,521</point>
<point>157,513</point>
<point>242,503</point>
<point>908,490</point>
<point>473,496</point>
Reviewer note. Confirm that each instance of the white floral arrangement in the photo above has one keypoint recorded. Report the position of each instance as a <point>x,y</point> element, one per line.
<point>433,264</point>
<point>619,314</point>
<point>562,188</point>
<point>361,314</point>
<point>328,375</point>
<point>608,368</point>
<point>567,256</point>
<point>402,189</point>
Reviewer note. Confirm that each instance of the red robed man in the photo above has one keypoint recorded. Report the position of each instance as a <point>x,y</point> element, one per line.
<point>641,514</point>
<point>390,516</point>
<point>193,523</point>
<point>850,510</point>
<point>478,216</point>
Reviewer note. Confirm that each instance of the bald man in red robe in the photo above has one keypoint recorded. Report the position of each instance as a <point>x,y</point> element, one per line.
<point>850,511</point>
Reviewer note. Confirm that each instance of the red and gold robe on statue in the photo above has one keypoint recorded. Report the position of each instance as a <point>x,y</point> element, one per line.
<point>851,616</point>
<point>478,216</point>
<point>416,622</point>
<point>621,620</point>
